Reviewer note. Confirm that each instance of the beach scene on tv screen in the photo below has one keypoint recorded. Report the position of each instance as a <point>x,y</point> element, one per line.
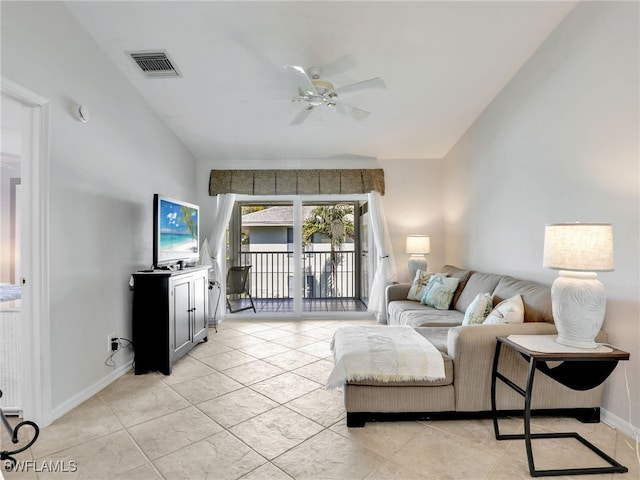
<point>178,229</point>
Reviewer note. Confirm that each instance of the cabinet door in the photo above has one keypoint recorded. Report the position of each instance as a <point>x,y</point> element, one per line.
<point>181,316</point>
<point>200,307</point>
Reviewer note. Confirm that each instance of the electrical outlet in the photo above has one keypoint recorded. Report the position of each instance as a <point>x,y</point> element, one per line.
<point>109,337</point>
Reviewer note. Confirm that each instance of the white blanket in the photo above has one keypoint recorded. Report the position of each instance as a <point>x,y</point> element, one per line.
<point>384,354</point>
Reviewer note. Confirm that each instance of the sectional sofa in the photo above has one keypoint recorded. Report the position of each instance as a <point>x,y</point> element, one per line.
<point>468,352</point>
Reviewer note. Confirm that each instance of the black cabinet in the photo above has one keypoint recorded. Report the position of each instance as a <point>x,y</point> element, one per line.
<point>170,315</point>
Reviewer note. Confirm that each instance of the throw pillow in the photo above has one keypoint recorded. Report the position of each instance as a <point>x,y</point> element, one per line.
<point>439,292</point>
<point>510,310</point>
<point>478,309</point>
<point>419,283</point>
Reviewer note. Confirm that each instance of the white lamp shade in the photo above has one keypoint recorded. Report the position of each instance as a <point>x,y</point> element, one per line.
<point>578,246</point>
<point>578,300</point>
<point>418,244</point>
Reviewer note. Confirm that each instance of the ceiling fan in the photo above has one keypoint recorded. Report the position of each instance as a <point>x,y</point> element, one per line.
<point>317,93</point>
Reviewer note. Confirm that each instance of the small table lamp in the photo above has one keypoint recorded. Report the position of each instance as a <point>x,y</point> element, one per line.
<point>418,246</point>
<point>578,301</point>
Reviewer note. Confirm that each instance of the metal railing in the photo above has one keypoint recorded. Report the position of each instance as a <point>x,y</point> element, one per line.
<point>272,274</point>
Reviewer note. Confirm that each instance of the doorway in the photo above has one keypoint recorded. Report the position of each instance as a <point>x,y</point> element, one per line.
<point>11,315</point>
<point>24,263</point>
<point>304,254</point>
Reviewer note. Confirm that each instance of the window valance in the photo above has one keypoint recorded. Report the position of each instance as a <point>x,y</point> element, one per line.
<point>297,182</point>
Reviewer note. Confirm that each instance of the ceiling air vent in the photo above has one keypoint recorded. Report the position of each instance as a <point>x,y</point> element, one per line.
<point>155,64</point>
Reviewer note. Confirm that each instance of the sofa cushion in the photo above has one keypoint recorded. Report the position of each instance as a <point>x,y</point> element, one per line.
<point>507,311</point>
<point>439,292</point>
<point>478,309</point>
<point>436,335</point>
<point>429,316</point>
<point>462,275</point>
<point>419,284</point>
<point>477,283</point>
<point>535,296</point>
<point>396,309</point>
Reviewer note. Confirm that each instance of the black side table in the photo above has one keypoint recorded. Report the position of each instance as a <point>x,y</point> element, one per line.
<point>579,371</point>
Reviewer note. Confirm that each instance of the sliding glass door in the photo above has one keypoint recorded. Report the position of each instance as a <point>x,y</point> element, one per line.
<point>261,235</point>
<point>304,254</point>
<point>365,251</point>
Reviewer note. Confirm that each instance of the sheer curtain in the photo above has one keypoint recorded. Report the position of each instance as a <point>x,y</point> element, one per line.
<point>216,248</point>
<point>385,266</point>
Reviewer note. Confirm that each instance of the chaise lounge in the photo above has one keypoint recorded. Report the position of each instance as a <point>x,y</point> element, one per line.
<point>468,352</point>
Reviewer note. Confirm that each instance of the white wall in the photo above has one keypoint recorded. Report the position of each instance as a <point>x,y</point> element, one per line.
<point>102,178</point>
<point>560,143</point>
<point>412,202</point>
<point>413,206</point>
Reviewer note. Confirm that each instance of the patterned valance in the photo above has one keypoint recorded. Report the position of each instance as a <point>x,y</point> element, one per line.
<point>297,182</point>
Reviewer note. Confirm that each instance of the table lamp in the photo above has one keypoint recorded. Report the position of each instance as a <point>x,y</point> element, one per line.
<point>578,301</point>
<point>417,247</point>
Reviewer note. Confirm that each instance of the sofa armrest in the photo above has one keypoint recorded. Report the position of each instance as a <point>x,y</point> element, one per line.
<point>475,343</point>
<point>397,291</point>
<point>472,348</point>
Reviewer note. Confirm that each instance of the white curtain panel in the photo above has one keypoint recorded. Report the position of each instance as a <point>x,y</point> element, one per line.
<point>385,273</point>
<point>217,239</point>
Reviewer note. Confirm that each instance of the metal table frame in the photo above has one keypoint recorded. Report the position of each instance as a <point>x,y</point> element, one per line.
<point>579,371</point>
<point>13,435</point>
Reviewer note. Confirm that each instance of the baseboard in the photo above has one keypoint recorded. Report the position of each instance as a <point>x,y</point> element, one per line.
<point>618,423</point>
<point>89,392</point>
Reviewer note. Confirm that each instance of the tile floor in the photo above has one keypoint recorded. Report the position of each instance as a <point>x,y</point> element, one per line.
<point>250,404</point>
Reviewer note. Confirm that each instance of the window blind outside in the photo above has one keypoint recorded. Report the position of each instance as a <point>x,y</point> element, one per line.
<point>297,182</point>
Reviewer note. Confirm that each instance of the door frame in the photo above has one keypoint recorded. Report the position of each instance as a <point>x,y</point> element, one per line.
<point>36,353</point>
<point>297,201</point>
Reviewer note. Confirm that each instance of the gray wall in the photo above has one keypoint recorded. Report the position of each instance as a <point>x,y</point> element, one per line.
<point>560,143</point>
<point>103,175</point>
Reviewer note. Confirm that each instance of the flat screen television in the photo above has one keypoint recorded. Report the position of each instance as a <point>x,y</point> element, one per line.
<point>176,227</point>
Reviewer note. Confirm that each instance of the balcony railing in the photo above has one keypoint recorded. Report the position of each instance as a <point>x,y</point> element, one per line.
<point>272,274</point>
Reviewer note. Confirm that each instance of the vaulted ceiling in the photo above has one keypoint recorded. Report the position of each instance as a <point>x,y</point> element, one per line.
<point>442,62</point>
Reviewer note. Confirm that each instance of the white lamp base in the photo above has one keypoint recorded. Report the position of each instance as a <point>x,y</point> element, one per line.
<point>578,303</point>
<point>416,262</point>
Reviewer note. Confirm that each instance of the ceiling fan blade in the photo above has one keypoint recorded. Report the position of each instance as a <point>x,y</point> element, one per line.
<point>302,116</point>
<point>349,111</point>
<point>302,79</point>
<point>372,83</point>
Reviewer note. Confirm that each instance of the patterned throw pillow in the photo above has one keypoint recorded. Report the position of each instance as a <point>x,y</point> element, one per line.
<point>419,283</point>
<point>439,292</point>
<point>510,310</point>
<point>478,310</point>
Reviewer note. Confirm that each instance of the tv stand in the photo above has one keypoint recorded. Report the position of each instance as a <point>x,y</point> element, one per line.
<point>170,316</point>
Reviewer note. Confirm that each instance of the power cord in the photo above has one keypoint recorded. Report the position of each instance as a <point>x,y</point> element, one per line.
<point>215,283</point>
<point>634,433</point>
<point>120,343</point>
<point>633,429</point>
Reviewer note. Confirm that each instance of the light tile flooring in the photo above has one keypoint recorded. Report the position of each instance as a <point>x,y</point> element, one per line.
<point>250,404</point>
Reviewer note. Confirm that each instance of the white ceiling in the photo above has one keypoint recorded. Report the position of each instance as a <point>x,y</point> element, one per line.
<point>443,63</point>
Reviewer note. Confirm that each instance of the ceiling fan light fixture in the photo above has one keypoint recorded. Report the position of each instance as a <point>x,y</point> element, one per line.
<point>318,93</point>
<point>322,85</point>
